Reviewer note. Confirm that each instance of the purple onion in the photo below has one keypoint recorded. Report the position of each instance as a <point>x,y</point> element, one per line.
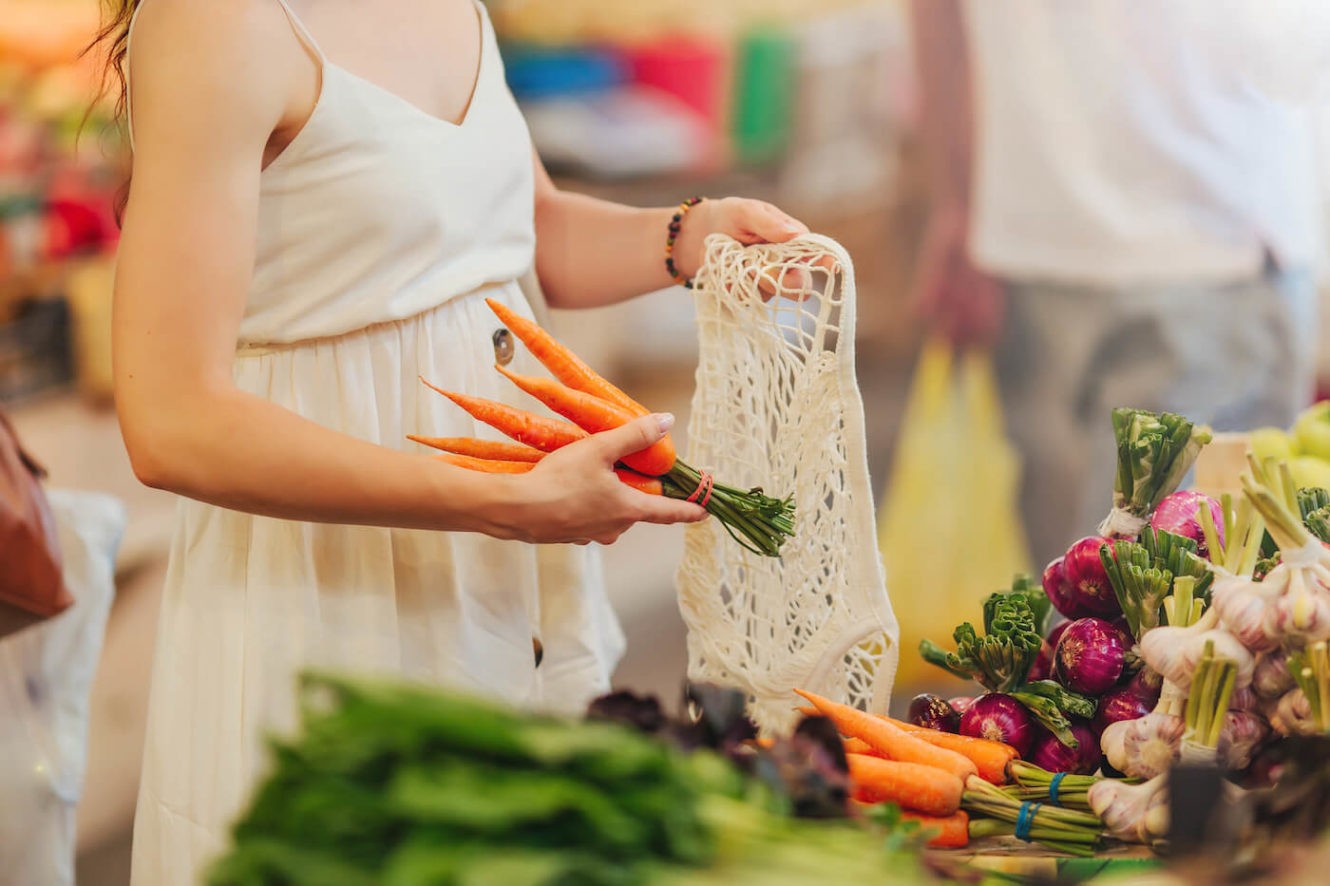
<point>961,703</point>
<point>1042,669</point>
<point>1179,514</point>
<point>1089,656</point>
<point>1146,684</point>
<point>1048,753</point>
<point>933,712</point>
<point>1120,704</point>
<point>1059,592</point>
<point>1087,581</point>
<point>999,717</point>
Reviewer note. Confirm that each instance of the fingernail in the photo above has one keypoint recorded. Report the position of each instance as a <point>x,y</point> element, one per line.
<point>665,420</point>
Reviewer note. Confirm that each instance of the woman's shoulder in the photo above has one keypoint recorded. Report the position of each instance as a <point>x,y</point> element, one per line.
<point>256,32</point>
<point>226,54</point>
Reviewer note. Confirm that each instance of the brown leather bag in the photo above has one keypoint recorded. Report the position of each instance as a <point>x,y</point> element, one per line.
<point>32,587</point>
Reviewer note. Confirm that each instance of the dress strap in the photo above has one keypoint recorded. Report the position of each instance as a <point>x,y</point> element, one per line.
<point>296,24</point>
<point>303,32</point>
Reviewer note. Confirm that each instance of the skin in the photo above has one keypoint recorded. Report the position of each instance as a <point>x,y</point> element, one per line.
<point>961,301</point>
<point>220,89</point>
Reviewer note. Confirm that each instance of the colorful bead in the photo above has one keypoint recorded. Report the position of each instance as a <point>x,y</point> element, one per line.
<point>676,225</point>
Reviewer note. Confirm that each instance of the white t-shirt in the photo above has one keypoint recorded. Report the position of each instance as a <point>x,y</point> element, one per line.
<point>1120,142</point>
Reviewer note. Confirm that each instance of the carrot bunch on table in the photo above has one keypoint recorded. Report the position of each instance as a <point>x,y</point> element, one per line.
<point>591,405</point>
<point>922,771</point>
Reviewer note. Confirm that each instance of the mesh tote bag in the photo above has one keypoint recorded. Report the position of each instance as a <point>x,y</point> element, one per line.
<point>777,406</point>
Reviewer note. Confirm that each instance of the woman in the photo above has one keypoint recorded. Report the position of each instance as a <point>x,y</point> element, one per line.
<point>323,195</point>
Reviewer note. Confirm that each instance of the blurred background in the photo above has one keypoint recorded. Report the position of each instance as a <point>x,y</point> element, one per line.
<point>810,104</point>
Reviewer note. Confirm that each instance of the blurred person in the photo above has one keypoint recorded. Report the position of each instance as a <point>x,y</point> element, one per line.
<point>323,195</point>
<point>1125,215</point>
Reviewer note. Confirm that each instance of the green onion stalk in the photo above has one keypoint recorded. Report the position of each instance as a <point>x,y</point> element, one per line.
<point>994,814</point>
<point>1035,783</point>
<point>755,520</point>
<point>1244,533</point>
<point>1155,452</point>
<point>1310,669</point>
<point>1207,704</point>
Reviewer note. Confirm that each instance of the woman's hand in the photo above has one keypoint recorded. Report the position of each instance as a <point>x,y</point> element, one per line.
<point>574,496</point>
<point>957,298</point>
<point>748,221</point>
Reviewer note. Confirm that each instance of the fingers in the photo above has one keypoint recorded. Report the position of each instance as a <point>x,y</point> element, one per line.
<point>668,511</point>
<point>761,222</point>
<point>633,437</point>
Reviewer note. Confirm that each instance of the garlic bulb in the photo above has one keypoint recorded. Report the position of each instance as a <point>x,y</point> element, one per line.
<point>1145,747</point>
<point>1293,715</point>
<point>1241,735</point>
<point>1175,652</point>
<point>1271,678</point>
<point>1133,812</point>
<point>1247,608</point>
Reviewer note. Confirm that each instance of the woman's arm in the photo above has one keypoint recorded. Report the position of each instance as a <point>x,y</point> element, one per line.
<point>207,95</point>
<point>591,253</point>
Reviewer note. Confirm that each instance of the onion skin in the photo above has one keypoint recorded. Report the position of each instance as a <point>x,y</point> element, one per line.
<point>999,717</point>
<point>1146,683</point>
<point>933,712</point>
<point>1090,656</point>
<point>960,704</point>
<point>1048,753</point>
<point>1086,581</point>
<point>1179,513</point>
<point>1118,705</point>
<point>1067,604</point>
<point>1042,669</point>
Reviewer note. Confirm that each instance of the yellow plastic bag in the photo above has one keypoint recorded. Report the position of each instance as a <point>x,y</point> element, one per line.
<point>950,530</point>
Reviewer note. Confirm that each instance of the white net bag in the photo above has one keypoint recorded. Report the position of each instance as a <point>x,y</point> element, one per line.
<point>777,406</point>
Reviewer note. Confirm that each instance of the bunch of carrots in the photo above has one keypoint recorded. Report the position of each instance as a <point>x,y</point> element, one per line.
<point>923,771</point>
<point>592,405</point>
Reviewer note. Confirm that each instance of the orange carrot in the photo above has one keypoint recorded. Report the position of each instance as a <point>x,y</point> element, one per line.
<point>640,482</point>
<point>545,434</point>
<point>808,711</point>
<point>502,451</point>
<point>560,360</point>
<point>991,757</point>
<point>486,465</point>
<point>595,415</point>
<point>909,785</point>
<point>889,740</point>
<point>859,746</point>
<point>950,832</point>
<point>649,485</point>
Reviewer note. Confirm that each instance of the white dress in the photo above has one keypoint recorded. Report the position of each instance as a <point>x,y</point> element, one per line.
<point>381,231</point>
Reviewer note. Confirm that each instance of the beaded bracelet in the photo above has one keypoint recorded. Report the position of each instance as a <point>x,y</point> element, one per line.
<point>676,224</point>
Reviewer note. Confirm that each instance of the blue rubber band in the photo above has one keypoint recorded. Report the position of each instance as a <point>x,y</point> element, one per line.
<point>1025,819</point>
<point>1053,788</point>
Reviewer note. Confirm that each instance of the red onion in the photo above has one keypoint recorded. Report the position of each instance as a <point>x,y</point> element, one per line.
<point>1120,704</point>
<point>999,717</point>
<point>1089,656</point>
<point>1179,514</point>
<point>1059,592</point>
<point>961,703</point>
<point>933,712</point>
<point>1087,581</point>
<point>1145,684</point>
<point>1048,753</point>
<point>1042,669</point>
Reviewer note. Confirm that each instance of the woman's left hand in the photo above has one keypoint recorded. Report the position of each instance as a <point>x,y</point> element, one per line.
<point>748,221</point>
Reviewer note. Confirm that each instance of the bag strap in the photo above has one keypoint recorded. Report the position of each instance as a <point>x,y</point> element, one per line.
<point>34,467</point>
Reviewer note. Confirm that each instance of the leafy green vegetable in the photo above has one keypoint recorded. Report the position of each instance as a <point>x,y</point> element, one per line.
<point>395,785</point>
<point>1001,659</point>
<point>1155,452</point>
<point>1314,508</point>
<point>1142,574</point>
<point>1050,702</point>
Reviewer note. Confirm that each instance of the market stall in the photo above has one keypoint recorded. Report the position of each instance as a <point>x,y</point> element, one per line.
<point>1172,727</point>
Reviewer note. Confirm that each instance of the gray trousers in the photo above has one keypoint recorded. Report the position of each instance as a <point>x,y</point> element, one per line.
<point>1234,355</point>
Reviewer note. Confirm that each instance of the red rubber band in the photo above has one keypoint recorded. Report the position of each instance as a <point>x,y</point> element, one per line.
<point>705,484</point>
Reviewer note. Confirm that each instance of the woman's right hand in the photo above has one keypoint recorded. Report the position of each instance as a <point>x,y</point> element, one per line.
<point>573,495</point>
